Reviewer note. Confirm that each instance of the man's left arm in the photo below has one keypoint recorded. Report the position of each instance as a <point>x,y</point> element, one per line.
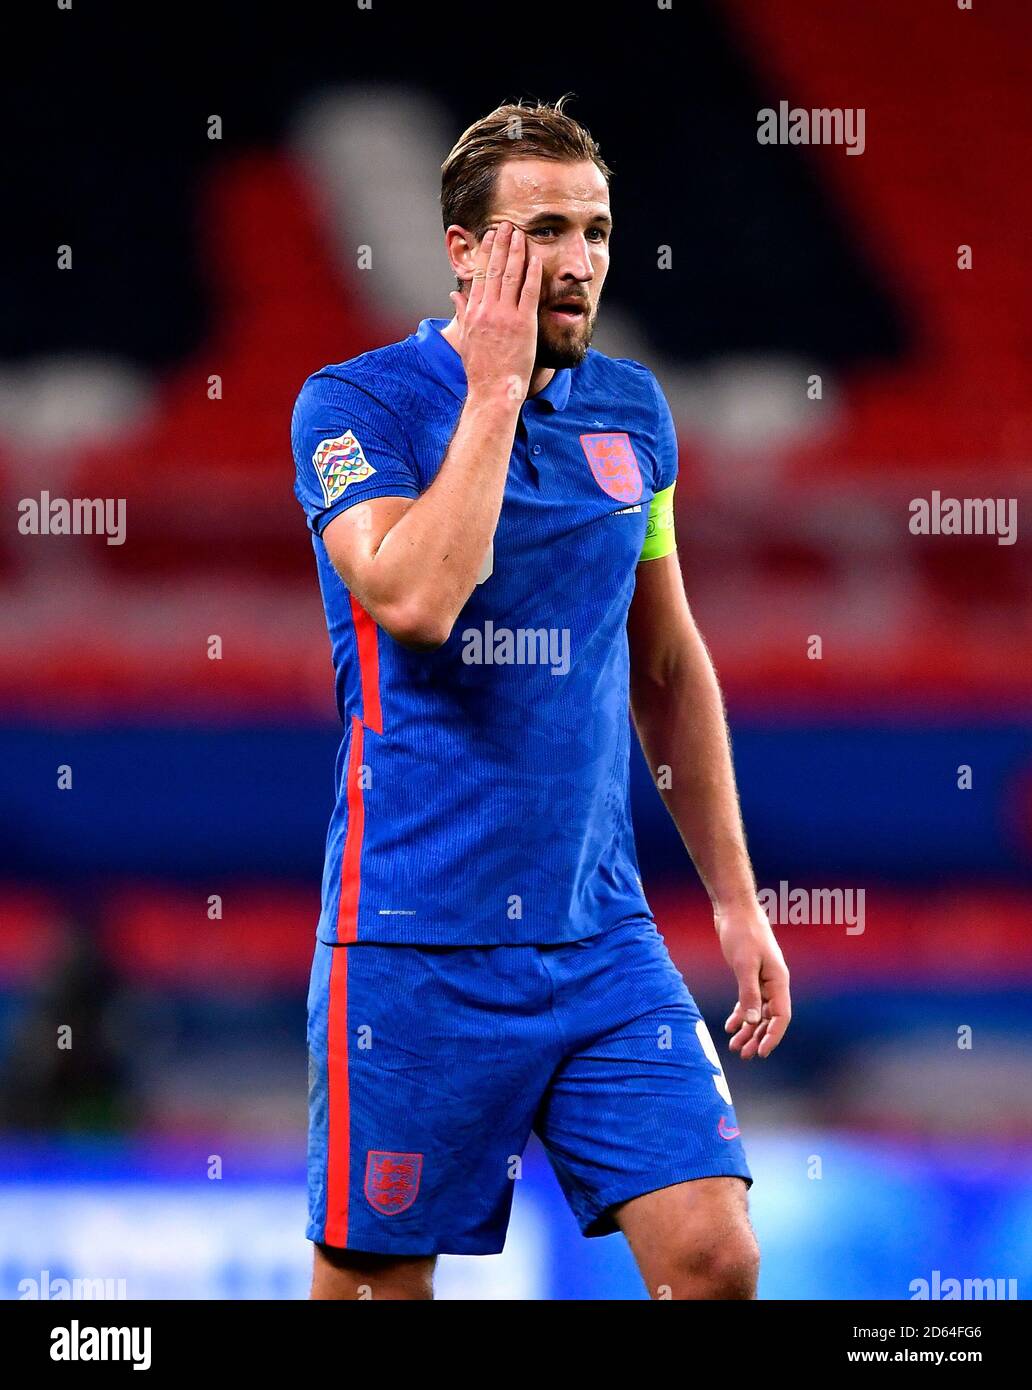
<point>679,715</point>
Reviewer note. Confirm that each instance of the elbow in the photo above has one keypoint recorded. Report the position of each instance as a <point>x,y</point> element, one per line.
<point>416,628</point>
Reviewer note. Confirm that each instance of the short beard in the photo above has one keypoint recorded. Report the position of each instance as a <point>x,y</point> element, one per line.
<point>559,355</point>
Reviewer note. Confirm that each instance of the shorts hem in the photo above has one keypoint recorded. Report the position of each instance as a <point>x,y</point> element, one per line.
<point>415,1249</point>
<point>598,1221</point>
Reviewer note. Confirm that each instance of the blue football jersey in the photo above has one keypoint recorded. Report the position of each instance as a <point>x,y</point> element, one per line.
<point>482,788</point>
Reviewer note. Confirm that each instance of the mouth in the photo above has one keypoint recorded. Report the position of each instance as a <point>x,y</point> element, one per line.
<point>568,310</point>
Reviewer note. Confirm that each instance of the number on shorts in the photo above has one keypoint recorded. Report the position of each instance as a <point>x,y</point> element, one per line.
<point>708,1046</point>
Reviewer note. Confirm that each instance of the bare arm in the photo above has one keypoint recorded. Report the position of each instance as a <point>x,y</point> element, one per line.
<point>679,715</point>
<point>412,564</point>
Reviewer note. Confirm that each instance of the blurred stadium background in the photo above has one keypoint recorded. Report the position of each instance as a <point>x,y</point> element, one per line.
<point>237,258</point>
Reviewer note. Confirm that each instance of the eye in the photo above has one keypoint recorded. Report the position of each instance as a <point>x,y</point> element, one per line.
<point>597,234</point>
<point>544,231</point>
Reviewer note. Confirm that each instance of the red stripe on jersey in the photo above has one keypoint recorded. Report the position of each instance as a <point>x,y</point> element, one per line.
<point>351,859</point>
<point>338,1143</point>
<point>368,666</point>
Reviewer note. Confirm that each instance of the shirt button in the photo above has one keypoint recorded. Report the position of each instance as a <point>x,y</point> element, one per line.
<point>536,449</point>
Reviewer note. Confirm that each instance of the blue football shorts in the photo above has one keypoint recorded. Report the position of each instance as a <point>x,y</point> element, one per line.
<point>429,1067</point>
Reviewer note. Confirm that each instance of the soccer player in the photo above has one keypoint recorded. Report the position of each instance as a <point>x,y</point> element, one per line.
<point>490,502</point>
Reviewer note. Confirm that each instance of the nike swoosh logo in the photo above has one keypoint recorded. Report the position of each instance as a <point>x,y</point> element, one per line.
<point>726,1132</point>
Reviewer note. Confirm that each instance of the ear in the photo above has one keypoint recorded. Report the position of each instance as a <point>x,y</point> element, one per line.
<point>462,247</point>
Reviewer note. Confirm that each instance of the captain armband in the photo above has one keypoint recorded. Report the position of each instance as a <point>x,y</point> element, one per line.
<point>659,535</point>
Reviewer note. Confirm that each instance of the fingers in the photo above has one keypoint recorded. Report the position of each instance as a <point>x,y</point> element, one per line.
<point>743,1035</point>
<point>759,1038</point>
<point>763,1010</point>
<point>530,295</point>
<point>483,257</point>
<point>776,1030</point>
<point>751,1046</point>
<point>748,1011</point>
<point>747,1033</point>
<point>512,275</point>
<point>497,339</point>
<point>750,1000</point>
<point>779,1011</point>
<point>497,260</point>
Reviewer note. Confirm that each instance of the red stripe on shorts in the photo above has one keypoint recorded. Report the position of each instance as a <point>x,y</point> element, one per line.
<point>338,1144</point>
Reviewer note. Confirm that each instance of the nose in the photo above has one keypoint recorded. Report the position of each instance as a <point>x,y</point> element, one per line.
<point>576,261</point>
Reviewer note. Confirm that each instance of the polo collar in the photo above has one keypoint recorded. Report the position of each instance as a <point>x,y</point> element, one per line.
<point>446,365</point>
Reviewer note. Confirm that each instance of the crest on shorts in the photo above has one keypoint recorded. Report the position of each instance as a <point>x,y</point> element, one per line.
<point>392,1180</point>
<point>613,465</point>
<point>339,462</point>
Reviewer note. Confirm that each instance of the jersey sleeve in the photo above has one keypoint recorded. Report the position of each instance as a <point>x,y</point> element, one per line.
<point>659,534</point>
<point>348,447</point>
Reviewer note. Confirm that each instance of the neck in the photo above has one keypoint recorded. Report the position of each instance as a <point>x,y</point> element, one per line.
<point>539,377</point>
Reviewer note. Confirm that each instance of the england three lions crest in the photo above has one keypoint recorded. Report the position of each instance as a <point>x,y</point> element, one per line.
<point>339,462</point>
<point>613,465</point>
<point>392,1180</point>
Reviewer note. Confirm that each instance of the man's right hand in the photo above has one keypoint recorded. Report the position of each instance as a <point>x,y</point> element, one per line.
<point>412,564</point>
<point>498,322</point>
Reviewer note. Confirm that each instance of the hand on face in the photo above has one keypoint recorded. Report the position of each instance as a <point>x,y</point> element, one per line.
<point>498,321</point>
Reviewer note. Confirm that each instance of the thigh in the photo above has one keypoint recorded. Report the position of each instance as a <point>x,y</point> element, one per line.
<point>693,1240</point>
<point>352,1274</point>
<point>640,1101</point>
<point>425,1066</point>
